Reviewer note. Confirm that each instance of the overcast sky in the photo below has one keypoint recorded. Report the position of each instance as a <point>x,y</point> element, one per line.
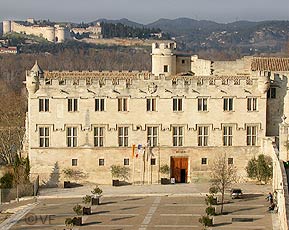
<point>145,11</point>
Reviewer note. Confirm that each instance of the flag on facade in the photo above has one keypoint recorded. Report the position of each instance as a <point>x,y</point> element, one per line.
<point>133,150</point>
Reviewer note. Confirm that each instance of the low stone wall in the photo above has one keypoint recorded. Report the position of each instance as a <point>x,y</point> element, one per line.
<point>279,185</point>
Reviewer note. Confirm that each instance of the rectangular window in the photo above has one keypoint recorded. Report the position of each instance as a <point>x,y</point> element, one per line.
<point>44,105</point>
<point>271,93</point>
<point>123,136</point>
<point>71,136</point>
<point>122,104</point>
<point>44,137</point>
<point>227,135</point>
<point>153,161</point>
<point>203,135</point>
<point>252,135</point>
<point>177,104</point>
<point>152,136</point>
<point>204,161</point>
<point>101,162</point>
<point>178,136</point>
<point>202,104</point>
<point>252,104</point>
<point>99,104</point>
<point>125,161</point>
<point>228,104</point>
<point>230,161</point>
<point>98,134</point>
<point>151,104</point>
<point>72,105</point>
<point>74,162</point>
<point>166,68</point>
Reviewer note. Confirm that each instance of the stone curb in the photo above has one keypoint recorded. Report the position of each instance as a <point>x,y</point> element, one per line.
<point>134,194</point>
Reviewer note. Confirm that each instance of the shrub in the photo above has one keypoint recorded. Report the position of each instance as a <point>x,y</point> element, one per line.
<point>213,190</point>
<point>96,191</point>
<point>7,180</point>
<point>119,172</point>
<point>165,169</point>
<point>210,200</point>
<point>260,168</point>
<point>210,211</point>
<point>69,222</point>
<point>86,199</point>
<point>206,221</point>
<point>77,209</point>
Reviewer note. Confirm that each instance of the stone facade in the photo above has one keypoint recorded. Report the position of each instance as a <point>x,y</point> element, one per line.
<point>184,113</point>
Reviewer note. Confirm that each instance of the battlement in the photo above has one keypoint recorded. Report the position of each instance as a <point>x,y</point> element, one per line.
<point>161,48</point>
<point>96,74</point>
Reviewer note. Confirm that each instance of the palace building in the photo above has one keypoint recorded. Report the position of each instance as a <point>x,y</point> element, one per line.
<point>184,113</point>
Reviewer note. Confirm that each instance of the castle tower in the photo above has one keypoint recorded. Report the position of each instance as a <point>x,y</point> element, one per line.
<point>59,34</point>
<point>32,78</point>
<point>164,59</point>
<point>6,27</point>
<point>50,34</point>
<point>264,81</point>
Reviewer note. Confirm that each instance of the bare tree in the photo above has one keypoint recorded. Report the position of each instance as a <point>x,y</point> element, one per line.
<point>222,175</point>
<point>12,115</point>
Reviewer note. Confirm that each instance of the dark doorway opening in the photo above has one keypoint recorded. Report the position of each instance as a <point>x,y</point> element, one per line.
<point>179,169</point>
<point>183,176</point>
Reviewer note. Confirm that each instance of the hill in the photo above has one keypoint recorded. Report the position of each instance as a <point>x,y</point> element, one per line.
<point>123,21</point>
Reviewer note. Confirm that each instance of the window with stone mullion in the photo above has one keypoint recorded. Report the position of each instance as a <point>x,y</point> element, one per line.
<point>152,136</point>
<point>71,137</point>
<point>178,136</point>
<point>227,136</point>
<point>203,135</point>
<point>98,136</point>
<point>251,135</point>
<point>44,137</point>
<point>123,136</point>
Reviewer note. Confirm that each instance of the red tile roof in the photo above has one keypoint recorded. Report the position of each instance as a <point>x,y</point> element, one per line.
<point>270,64</point>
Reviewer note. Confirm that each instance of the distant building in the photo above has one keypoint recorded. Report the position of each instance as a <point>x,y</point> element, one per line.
<point>55,33</point>
<point>93,31</point>
<point>8,50</point>
<point>184,113</point>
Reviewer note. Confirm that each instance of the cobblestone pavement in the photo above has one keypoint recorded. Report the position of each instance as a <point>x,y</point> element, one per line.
<point>150,212</point>
<point>144,207</point>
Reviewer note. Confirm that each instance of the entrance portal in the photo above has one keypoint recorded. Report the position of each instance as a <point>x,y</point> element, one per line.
<point>179,166</point>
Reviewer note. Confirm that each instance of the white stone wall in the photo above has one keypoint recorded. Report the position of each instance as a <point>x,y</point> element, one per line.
<point>47,32</point>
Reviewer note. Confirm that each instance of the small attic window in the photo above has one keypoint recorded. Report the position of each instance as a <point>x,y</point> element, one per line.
<point>174,82</point>
<point>75,82</point>
<point>166,68</point>
<point>88,81</point>
<point>48,81</point>
<point>62,82</point>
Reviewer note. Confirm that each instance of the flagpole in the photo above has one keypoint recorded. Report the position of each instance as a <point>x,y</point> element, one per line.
<point>133,170</point>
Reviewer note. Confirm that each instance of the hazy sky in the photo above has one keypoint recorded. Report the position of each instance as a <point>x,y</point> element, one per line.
<point>145,11</point>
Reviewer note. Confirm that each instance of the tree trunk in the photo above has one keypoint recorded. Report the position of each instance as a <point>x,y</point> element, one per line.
<point>222,201</point>
<point>17,192</point>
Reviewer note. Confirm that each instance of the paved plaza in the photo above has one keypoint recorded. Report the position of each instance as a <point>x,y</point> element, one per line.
<point>175,209</point>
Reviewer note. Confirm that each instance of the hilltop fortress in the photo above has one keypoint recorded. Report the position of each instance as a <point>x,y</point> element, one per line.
<point>184,113</point>
<point>54,33</point>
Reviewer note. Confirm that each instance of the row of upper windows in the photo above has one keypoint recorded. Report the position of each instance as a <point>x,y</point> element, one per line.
<point>153,161</point>
<point>151,104</point>
<point>152,136</point>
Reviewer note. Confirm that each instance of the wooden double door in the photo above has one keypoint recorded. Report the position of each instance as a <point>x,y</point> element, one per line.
<point>179,169</point>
